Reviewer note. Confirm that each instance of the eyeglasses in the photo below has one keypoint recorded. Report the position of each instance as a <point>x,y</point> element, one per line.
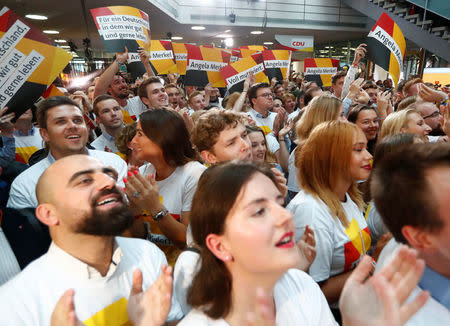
<point>435,114</point>
<point>266,95</point>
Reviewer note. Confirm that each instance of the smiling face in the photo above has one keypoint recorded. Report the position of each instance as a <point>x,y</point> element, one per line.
<point>156,96</point>
<point>259,232</point>
<point>368,122</point>
<point>66,131</point>
<point>96,205</point>
<point>197,102</point>
<point>118,87</point>
<point>144,148</point>
<point>259,149</point>
<point>416,125</point>
<point>360,161</point>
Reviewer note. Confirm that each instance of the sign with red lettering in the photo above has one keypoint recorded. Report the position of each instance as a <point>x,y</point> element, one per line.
<point>295,43</point>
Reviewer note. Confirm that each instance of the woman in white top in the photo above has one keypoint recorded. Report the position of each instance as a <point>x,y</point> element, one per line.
<point>246,241</point>
<point>165,194</point>
<point>329,164</point>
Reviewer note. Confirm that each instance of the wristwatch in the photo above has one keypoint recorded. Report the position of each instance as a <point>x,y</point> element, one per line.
<point>158,216</point>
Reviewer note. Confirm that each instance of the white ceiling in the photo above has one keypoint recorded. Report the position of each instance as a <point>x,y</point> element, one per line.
<point>67,17</point>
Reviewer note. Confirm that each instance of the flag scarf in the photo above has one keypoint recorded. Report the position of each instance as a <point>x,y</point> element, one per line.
<point>121,26</point>
<point>162,58</point>
<point>386,46</point>
<point>321,70</point>
<point>234,74</point>
<point>180,52</point>
<point>204,65</point>
<point>28,62</point>
<point>277,63</point>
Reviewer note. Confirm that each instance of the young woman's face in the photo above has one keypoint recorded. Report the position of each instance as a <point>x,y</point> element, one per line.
<point>277,104</point>
<point>290,105</point>
<point>144,148</point>
<point>360,162</point>
<point>368,122</point>
<point>416,125</point>
<point>259,232</point>
<point>258,142</point>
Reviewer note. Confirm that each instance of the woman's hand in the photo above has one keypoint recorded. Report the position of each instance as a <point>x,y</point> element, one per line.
<point>307,246</point>
<point>286,129</point>
<point>280,181</point>
<point>143,192</point>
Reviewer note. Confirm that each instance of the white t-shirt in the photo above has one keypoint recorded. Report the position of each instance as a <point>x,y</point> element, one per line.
<point>375,223</point>
<point>272,143</point>
<point>298,301</point>
<point>23,188</point>
<point>175,193</point>
<point>432,313</point>
<point>133,109</point>
<point>30,297</point>
<point>292,182</point>
<point>186,267</point>
<point>26,145</point>
<point>338,248</point>
<point>266,124</point>
<point>9,267</point>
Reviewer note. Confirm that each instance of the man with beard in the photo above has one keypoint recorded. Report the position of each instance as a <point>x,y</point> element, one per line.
<point>64,130</point>
<point>432,117</point>
<point>112,82</point>
<point>85,212</point>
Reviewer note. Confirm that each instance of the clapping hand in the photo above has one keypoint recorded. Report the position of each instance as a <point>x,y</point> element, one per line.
<point>6,127</point>
<point>64,312</point>
<point>307,249</point>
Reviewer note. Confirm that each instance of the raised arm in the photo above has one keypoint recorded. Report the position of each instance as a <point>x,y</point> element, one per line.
<point>101,87</point>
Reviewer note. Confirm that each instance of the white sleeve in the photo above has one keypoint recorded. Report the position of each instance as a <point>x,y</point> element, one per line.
<point>184,272</point>
<point>272,143</point>
<point>20,195</point>
<point>349,78</point>
<point>195,171</point>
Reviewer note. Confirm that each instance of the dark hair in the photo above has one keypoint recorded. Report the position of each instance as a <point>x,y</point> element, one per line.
<point>308,94</point>
<point>49,103</point>
<point>254,89</point>
<point>401,191</point>
<point>338,75</point>
<point>217,192</point>
<point>168,130</point>
<point>352,115</point>
<point>142,90</point>
<point>99,99</point>
<point>125,135</point>
<point>369,84</point>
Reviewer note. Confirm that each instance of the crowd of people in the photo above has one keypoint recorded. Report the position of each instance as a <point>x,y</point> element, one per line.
<point>152,202</point>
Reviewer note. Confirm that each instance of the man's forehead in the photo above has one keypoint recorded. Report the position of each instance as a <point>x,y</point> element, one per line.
<point>63,110</point>
<point>155,85</point>
<point>109,103</point>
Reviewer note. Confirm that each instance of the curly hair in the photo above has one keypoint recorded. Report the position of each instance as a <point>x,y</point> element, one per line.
<point>209,126</point>
<point>125,136</point>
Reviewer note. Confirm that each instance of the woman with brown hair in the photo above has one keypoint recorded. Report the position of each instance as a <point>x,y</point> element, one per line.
<point>366,118</point>
<point>171,176</point>
<point>330,163</point>
<point>320,109</point>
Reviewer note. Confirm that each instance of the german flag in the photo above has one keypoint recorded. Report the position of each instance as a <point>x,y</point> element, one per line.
<point>204,65</point>
<point>277,63</point>
<point>51,91</point>
<point>235,73</point>
<point>386,46</point>
<point>121,26</point>
<point>162,58</point>
<point>28,62</point>
<point>254,47</point>
<point>321,70</point>
<point>180,51</point>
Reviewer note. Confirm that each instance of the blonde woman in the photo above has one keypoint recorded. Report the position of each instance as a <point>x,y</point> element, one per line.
<point>321,109</point>
<point>330,163</point>
<point>407,121</point>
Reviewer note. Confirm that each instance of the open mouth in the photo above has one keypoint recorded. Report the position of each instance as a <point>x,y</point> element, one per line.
<point>73,137</point>
<point>111,200</point>
<point>287,241</point>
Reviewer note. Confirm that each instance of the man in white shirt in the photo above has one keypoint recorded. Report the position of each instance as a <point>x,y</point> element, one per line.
<point>63,128</point>
<point>261,99</point>
<point>153,93</point>
<point>85,211</point>
<point>411,190</point>
<point>107,113</point>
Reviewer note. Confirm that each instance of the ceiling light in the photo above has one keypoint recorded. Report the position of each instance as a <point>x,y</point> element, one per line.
<point>47,31</point>
<point>176,38</point>
<point>229,42</point>
<point>227,31</point>
<point>60,41</point>
<point>198,28</point>
<point>257,32</point>
<point>268,43</point>
<point>224,35</point>
<point>36,17</point>
<point>65,47</point>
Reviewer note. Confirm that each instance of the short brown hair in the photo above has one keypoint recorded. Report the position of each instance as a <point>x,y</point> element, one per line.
<point>99,99</point>
<point>338,75</point>
<point>402,192</point>
<point>369,84</point>
<point>254,89</point>
<point>409,83</point>
<point>209,126</point>
<point>50,103</point>
<point>193,94</point>
<point>126,134</point>
<point>217,192</point>
<point>142,90</point>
